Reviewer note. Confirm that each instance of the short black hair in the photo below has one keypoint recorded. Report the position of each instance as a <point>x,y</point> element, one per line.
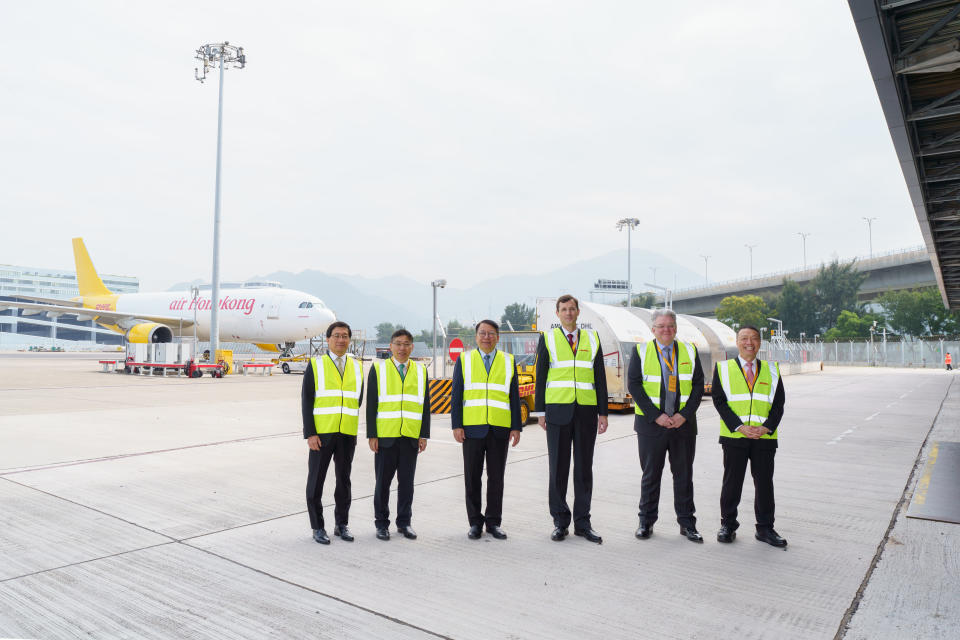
<point>336,325</point>
<point>752,328</point>
<point>401,332</point>
<point>493,324</point>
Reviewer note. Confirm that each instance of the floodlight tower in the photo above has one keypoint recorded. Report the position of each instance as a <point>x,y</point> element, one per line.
<point>630,224</point>
<point>227,55</point>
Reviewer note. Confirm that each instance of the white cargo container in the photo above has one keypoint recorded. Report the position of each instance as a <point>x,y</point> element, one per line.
<point>621,330</point>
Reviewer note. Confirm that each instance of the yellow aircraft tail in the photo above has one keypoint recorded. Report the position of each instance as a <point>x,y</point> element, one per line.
<point>88,281</point>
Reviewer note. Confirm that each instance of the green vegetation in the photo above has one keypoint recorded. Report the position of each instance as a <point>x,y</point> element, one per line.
<point>741,311</point>
<point>519,315</point>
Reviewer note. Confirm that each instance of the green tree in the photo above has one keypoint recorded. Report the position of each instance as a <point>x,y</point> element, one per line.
<point>918,312</point>
<point>519,315</point>
<point>740,311</point>
<point>835,289</point>
<point>644,300</point>
<point>797,308</point>
<point>849,325</point>
<point>384,331</point>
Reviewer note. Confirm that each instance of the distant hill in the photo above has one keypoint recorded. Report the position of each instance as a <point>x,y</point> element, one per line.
<point>366,302</point>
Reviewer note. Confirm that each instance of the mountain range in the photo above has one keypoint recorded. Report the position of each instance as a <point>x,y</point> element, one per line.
<point>365,302</point>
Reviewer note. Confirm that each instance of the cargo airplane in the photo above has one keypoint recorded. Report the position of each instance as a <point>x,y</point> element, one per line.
<point>270,317</point>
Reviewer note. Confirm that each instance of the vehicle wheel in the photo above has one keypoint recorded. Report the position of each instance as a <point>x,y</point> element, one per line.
<point>197,373</point>
<point>285,368</point>
<point>524,412</point>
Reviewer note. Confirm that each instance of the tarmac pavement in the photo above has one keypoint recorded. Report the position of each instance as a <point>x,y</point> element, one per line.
<point>139,507</point>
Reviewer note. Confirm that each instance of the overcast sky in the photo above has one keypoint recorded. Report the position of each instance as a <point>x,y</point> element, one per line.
<point>463,140</point>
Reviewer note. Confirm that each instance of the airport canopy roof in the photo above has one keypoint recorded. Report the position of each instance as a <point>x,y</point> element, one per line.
<point>913,51</point>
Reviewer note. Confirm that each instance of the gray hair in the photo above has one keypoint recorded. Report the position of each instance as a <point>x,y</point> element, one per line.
<point>659,313</point>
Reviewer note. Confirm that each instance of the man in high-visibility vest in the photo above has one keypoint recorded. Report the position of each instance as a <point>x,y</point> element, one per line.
<point>330,401</point>
<point>748,395</point>
<point>398,425</point>
<point>665,380</point>
<point>485,417</point>
<point>948,360</point>
<point>570,403</point>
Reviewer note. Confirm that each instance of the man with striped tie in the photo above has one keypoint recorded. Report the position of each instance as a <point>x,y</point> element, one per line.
<point>330,402</point>
<point>748,395</point>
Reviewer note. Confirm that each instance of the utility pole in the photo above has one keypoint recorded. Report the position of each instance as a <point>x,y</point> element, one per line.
<point>750,248</point>
<point>706,273</point>
<point>870,232</point>
<point>227,55</point>
<point>630,224</point>
<point>436,284</point>
<point>804,237</point>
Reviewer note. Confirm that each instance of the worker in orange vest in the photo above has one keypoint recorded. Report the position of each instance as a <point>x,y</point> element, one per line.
<point>948,360</point>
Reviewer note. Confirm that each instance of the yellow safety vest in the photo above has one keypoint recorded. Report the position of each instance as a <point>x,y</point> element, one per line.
<point>400,400</point>
<point>686,361</point>
<point>570,377</point>
<point>751,406</point>
<point>486,396</point>
<point>336,404</point>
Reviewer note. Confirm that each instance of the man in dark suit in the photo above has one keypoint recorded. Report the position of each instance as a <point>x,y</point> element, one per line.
<point>748,394</point>
<point>485,417</point>
<point>570,403</point>
<point>330,427</point>
<point>398,426</point>
<point>665,379</point>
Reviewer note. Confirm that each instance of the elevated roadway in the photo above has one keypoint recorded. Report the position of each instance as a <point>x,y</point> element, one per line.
<point>903,269</point>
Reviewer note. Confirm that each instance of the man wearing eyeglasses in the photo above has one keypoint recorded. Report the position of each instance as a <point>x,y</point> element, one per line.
<point>485,417</point>
<point>665,379</point>
<point>570,402</point>
<point>398,425</point>
<point>330,402</point>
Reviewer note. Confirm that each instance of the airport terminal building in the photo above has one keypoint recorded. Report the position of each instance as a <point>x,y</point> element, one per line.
<point>17,328</point>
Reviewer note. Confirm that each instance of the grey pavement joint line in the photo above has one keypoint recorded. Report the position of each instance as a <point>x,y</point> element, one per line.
<point>855,603</point>
<point>88,560</point>
<point>348,603</point>
<point>121,456</point>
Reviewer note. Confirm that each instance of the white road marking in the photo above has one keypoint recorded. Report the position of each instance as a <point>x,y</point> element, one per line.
<point>871,417</point>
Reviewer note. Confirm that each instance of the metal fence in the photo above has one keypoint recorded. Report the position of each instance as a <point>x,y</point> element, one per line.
<point>878,353</point>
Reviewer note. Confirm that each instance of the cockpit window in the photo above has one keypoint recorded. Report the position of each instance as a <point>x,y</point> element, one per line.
<point>306,305</point>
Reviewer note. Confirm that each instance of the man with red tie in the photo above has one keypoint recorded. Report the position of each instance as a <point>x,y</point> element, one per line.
<point>748,395</point>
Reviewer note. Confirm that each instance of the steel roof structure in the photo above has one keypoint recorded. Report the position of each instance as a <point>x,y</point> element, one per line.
<point>913,51</point>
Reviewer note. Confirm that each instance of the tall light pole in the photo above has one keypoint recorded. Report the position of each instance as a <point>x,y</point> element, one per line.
<point>654,269</point>
<point>804,237</point>
<point>750,248</point>
<point>436,284</point>
<point>227,55</point>
<point>630,224</point>
<point>706,273</point>
<point>870,232</point>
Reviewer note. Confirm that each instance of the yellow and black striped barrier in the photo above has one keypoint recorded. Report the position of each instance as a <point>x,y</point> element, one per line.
<point>440,391</point>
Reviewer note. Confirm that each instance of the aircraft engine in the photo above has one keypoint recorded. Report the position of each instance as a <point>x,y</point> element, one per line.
<point>147,332</point>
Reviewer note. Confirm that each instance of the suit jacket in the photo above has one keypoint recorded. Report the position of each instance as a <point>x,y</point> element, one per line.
<point>564,413</point>
<point>373,402</point>
<point>732,420</point>
<point>308,394</point>
<point>480,430</point>
<point>647,423</point>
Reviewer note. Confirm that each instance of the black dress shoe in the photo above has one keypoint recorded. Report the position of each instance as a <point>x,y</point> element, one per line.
<point>559,533</point>
<point>644,531</point>
<point>383,533</point>
<point>726,534</point>
<point>475,532</point>
<point>589,534</point>
<point>407,532</point>
<point>319,535</point>
<point>344,533</point>
<point>771,537</point>
<point>691,534</point>
<point>496,532</point>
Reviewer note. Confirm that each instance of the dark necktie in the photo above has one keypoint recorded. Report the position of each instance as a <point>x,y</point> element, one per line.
<point>570,340</point>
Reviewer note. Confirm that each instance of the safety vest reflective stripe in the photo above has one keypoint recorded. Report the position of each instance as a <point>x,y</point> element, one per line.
<point>752,408</point>
<point>486,396</point>
<point>570,375</point>
<point>685,359</point>
<point>400,400</point>
<point>336,404</point>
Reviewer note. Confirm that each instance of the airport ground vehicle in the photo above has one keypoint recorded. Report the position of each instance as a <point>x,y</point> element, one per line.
<point>293,364</point>
<point>523,346</point>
